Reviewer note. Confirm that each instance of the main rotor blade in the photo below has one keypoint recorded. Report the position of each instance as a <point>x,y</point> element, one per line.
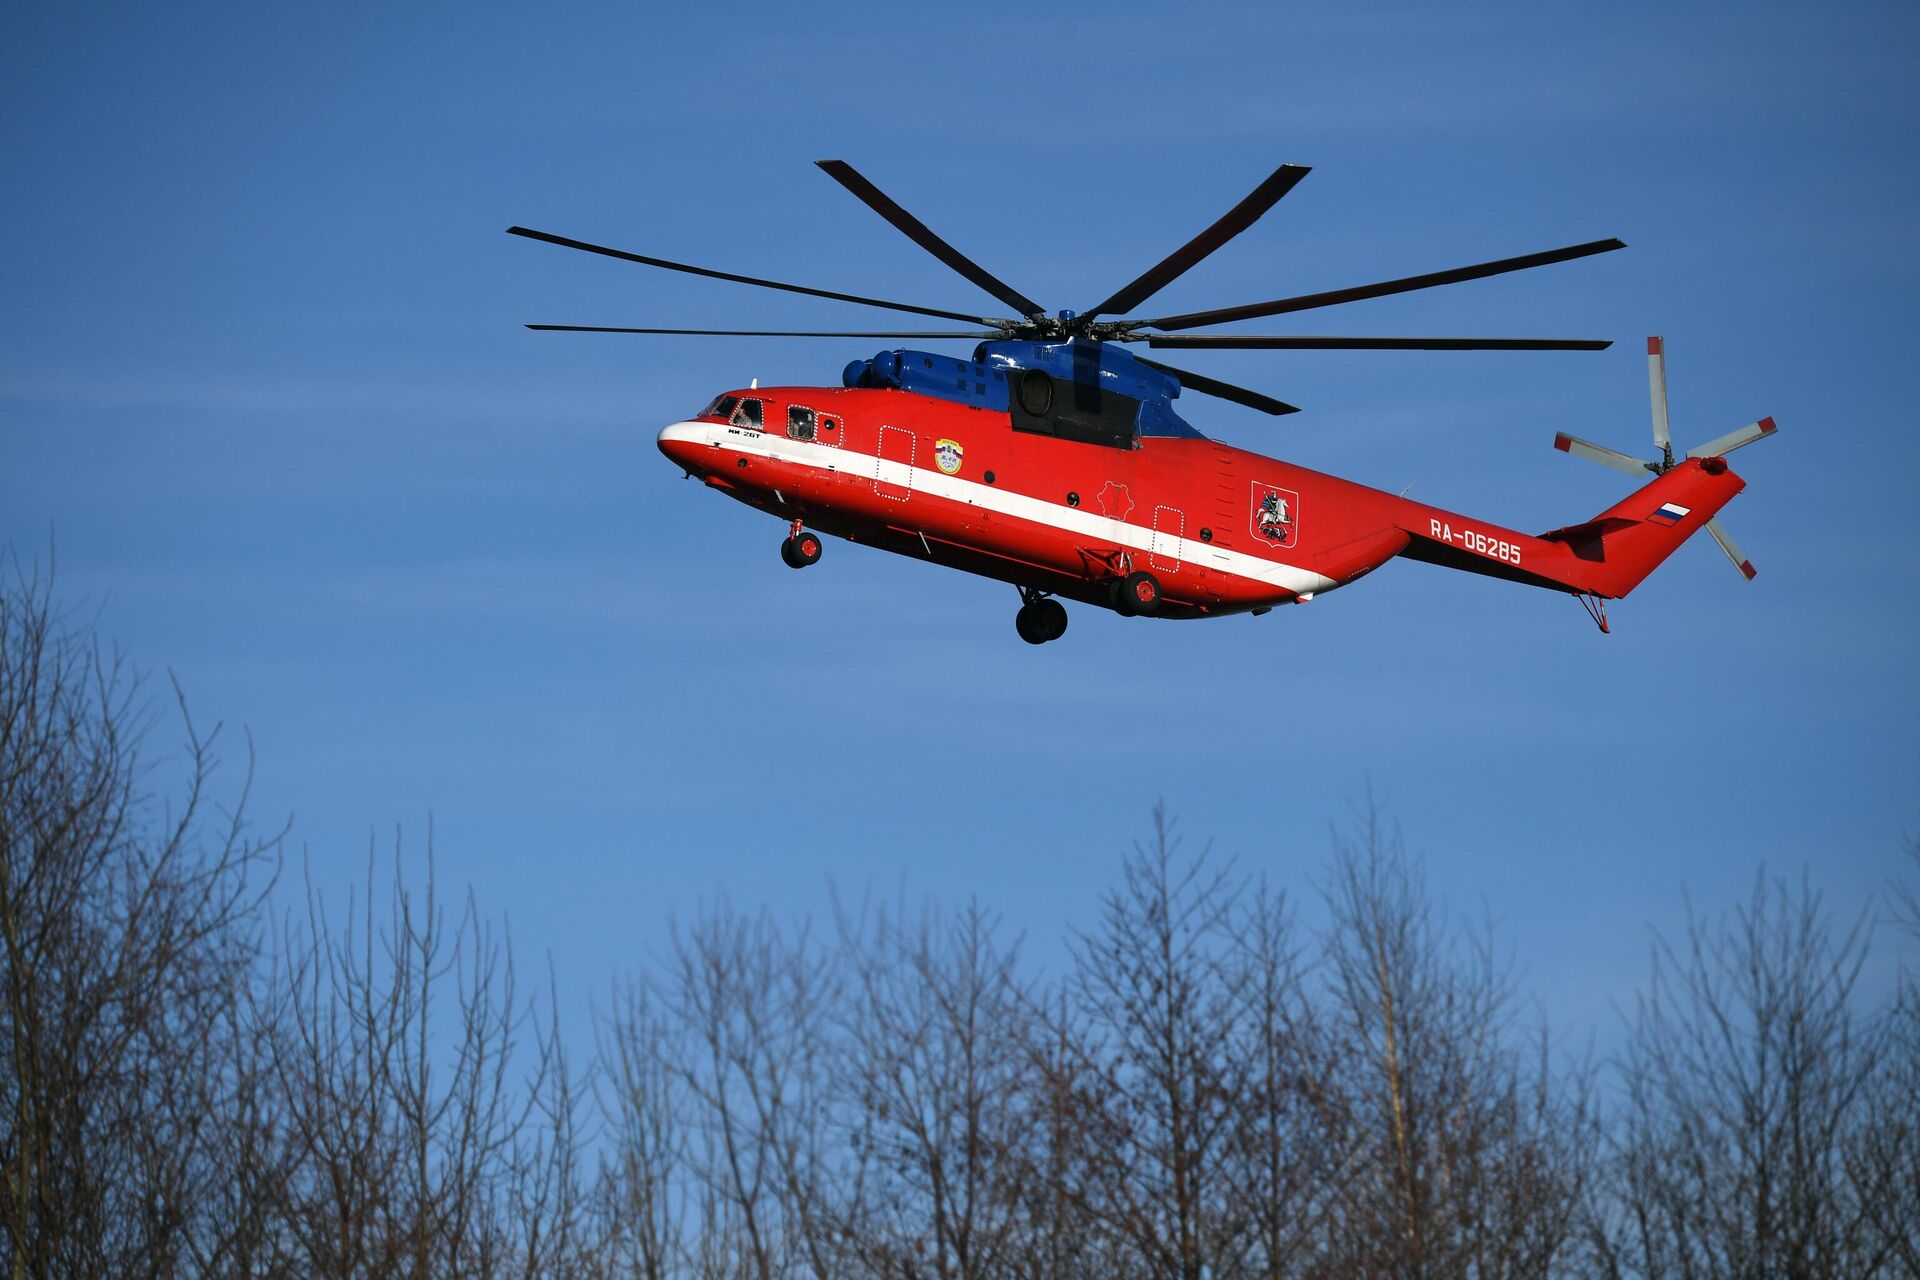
<point>1177,263</point>
<point>645,261</point>
<point>917,231</point>
<point>757,333</point>
<point>1604,456</point>
<point>1333,297</point>
<point>1734,439</point>
<point>1657,392</point>
<point>1225,390</point>
<point>1728,545</point>
<point>1255,341</point>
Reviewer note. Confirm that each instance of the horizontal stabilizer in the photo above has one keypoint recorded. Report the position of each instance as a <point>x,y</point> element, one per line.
<point>1589,530</point>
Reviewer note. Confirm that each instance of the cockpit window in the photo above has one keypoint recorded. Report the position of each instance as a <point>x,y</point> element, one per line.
<point>722,407</point>
<point>800,422</point>
<point>747,414</point>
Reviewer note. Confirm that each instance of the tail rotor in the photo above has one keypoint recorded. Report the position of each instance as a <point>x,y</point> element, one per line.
<point>1663,440</point>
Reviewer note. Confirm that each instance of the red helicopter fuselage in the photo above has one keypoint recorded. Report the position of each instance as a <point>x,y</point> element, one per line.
<point>1219,530</point>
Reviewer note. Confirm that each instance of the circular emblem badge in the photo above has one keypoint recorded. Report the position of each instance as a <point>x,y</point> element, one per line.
<point>947,455</point>
<point>1276,514</point>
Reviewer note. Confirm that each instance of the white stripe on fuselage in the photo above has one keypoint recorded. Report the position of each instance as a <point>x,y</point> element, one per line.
<point>762,444</point>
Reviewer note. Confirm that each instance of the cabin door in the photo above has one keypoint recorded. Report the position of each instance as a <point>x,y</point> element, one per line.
<point>893,464</point>
<point>1169,527</point>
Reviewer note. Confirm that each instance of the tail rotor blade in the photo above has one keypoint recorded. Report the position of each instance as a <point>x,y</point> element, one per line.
<point>1657,388</point>
<point>1734,439</point>
<point>1728,545</point>
<point>1604,456</point>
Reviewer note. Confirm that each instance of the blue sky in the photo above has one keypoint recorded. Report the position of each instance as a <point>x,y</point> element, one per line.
<point>263,385</point>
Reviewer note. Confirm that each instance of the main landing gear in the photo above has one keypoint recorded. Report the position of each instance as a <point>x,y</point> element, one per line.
<point>1136,594</point>
<point>801,547</point>
<point>1041,618</point>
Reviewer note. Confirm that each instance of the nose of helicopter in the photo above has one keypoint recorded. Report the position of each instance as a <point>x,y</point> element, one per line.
<point>686,444</point>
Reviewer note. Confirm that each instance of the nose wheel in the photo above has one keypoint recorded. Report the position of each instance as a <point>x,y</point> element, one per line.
<point>1040,619</point>
<point>801,548</point>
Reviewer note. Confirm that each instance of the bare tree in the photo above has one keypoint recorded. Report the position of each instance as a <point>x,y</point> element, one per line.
<point>1059,1237</point>
<point>1885,1163</point>
<point>1204,1095</point>
<point>551,1226</point>
<point>402,1160</point>
<point>939,1083</point>
<point>1290,1123</point>
<point>125,941</point>
<point>182,1093</point>
<point>754,1011</point>
<point>641,1197</point>
<point>1465,1154</point>
<point>1160,1007</point>
<point>1746,1091</point>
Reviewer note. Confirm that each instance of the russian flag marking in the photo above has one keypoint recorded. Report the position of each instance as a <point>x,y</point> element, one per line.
<point>1671,513</point>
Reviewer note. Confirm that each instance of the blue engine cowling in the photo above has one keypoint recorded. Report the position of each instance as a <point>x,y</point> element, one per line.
<point>982,381</point>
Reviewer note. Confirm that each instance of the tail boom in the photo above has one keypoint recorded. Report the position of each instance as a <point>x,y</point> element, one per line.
<point>1607,556</point>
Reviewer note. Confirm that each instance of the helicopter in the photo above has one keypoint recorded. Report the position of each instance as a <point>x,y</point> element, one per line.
<point>1054,459</point>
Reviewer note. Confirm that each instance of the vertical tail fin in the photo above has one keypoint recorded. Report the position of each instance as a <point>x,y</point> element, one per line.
<point>1615,551</point>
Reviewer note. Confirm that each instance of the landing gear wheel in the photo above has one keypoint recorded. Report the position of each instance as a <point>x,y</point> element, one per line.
<point>1137,593</point>
<point>1041,621</point>
<point>801,550</point>
<point>1053,618</point>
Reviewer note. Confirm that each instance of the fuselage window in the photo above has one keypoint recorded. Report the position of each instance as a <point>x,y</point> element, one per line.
<point>800,424</point>
<point>722,407</point>
<point>746,415</point>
